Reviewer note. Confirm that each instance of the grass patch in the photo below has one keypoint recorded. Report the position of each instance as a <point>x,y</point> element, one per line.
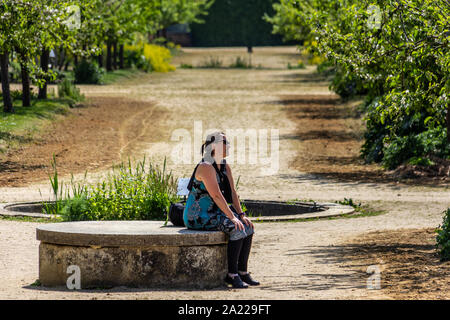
<point>37,283</point>
<point>19,128</point>
<point>116,75</point>
<point>31,219</point>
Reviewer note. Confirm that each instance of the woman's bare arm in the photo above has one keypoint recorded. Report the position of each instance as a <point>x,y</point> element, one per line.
<point>236,201</point>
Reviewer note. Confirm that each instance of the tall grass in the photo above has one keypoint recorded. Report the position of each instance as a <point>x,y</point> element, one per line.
<point>211,62</point>
<point>241,63</point>
<point>140,193</point>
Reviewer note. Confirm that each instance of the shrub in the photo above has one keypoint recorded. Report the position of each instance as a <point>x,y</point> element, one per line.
<point>126,194</point>
<point>159,57</point>
<point>134,58</point>
<point>148,57</point>
<point>88,72</point>
<point>417,148</point>
<point>186,66</point>
<point>17,94</point>
<point>66,89</point>
<point>76,209</point>
<point>443,237</point>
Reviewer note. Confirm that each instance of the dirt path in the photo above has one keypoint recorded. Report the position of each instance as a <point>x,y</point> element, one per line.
<point>292,260</point>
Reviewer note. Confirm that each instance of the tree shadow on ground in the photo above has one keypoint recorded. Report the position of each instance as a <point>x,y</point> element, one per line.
<point>354,260</point>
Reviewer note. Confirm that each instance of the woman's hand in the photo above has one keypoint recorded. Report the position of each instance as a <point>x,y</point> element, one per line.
<point>238,224</point>
<point>247,221</point>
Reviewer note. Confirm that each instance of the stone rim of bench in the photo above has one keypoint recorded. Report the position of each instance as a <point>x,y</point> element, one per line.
<point>125,234</point>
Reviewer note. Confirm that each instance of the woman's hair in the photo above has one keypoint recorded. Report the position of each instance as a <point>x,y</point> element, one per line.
<point>207,145</point>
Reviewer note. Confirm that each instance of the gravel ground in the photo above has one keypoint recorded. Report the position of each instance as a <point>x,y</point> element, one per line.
<point>292,260</point>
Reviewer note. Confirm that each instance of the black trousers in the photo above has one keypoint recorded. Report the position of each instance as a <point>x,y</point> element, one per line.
<point>238,252</point>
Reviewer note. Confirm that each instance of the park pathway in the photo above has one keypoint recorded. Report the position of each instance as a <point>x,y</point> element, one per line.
<point>292,260</point>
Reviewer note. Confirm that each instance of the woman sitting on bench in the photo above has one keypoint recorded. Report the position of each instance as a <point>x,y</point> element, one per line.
<point>211,189</point>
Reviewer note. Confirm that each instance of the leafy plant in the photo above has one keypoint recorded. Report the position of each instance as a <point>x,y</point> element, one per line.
<point>443,237</point>
<point>349,202</point>
<point>66,89</point>
<point>126,194</point>
<point>88,72</point>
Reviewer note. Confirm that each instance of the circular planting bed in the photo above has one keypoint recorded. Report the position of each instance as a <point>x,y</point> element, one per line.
<point>259,210</point>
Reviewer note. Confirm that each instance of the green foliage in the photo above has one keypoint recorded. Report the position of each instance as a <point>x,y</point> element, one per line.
<point>349,202</point>
<point>17,94</point>
<point>148,57</point>
<point>416,148</point>
<point>300,65</point>
<point>134,58</point>
<point>443,237</point>
<point>211,62</point>
<point>240,63</point>
<point>401,65</point>
<point>126,194</point>
<point>88,72</point>
<point>66,89</point>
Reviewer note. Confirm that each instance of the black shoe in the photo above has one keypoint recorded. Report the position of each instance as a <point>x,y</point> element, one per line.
<point>236,282</point>
<point>247,279</point>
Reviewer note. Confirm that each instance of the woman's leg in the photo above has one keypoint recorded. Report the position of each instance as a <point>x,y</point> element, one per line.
<point>244,254</point>
<point>233,253</point>
<point>243,259</point>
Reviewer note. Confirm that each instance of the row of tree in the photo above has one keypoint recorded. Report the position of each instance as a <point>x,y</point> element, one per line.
<point>397,54</point>
<point>30,29</point>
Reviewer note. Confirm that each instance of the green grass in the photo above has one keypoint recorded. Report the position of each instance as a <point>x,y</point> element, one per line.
<point>18,128</point>
<point>37,283</point>
<point>30,219</point>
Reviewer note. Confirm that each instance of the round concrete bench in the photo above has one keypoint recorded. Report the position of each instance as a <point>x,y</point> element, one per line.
<point>131,253</point>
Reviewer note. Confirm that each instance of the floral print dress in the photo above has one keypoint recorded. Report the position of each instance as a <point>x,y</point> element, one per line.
<point>202,213</point>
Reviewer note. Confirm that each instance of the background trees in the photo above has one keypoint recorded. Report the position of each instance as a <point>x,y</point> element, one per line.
<point>397,54</point>
<point>77,31</point>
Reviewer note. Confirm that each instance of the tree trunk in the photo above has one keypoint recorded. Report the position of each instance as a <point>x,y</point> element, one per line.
<point>100,60</point>
<point>75,61</point>
<point>7,103</point>
<point>164,34</point>
<point>108,56</point>
<point>44,66</point>
<point>26,93</point>
<point>61,58</point>
<point>115,56</point>
<point>121,56</point>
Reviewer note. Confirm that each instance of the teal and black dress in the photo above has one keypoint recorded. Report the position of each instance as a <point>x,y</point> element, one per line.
<point>202,213</point>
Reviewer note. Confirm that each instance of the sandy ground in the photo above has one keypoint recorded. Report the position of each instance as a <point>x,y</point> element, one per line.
<point>292,260</point>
